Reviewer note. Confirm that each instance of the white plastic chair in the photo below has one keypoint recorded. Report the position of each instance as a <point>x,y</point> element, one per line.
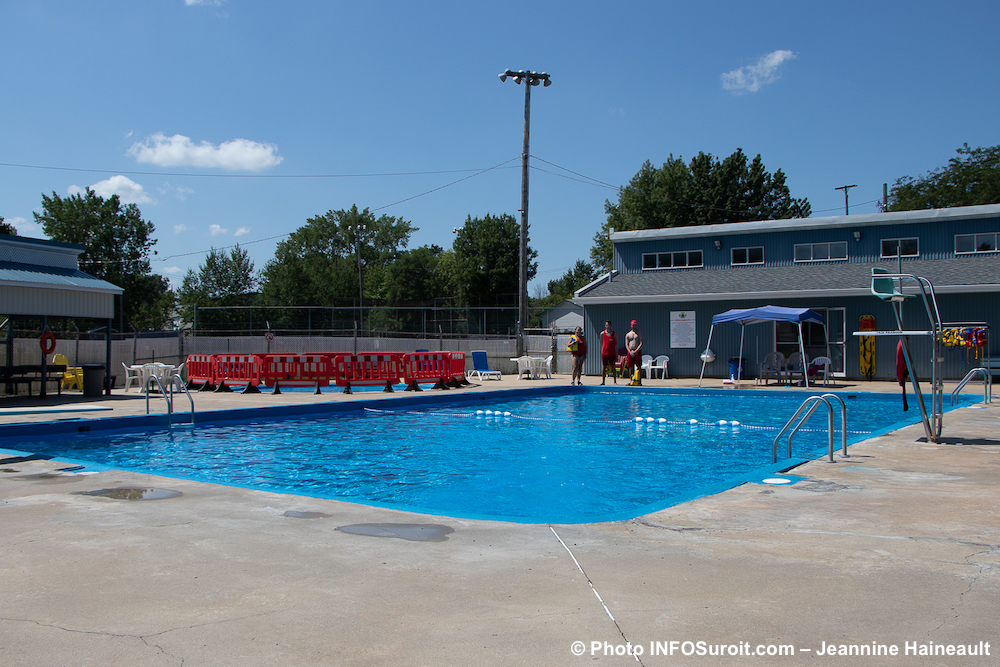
<point>660,364</point>
<point>524,367</point>
<point>797,364</point>
<point>545,366</point>
<point>771,366</point>
<point>132,374</point>
<point>825,363</point>
<point>647,365</point>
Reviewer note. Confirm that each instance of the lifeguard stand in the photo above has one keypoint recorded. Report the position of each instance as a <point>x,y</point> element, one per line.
<point>889,287</point>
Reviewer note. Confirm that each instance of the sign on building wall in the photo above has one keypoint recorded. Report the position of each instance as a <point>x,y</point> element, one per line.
<point>682,329</point>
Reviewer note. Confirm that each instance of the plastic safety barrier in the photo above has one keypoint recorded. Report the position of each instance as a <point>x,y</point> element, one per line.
<point>458,369</point>
<point>368,369</point>
<point>297,370</point>
<point>237,369</point>
<point>201,370</point>
<point>428,366</point>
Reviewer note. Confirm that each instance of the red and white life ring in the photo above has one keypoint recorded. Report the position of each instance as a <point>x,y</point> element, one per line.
<point>48,342</point>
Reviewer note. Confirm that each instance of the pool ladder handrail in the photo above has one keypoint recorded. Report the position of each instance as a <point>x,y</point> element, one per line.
<point>169,398</point>
<point>813,402</point>
<point>987,384</point>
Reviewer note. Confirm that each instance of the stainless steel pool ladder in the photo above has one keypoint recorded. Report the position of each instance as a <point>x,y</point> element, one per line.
<point>987,384</point>
<point>812,403</point>
<point>169,398</point>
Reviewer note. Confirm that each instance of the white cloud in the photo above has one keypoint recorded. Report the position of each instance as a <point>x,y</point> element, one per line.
<point>173,270</point>
<point>178,229</point>
<point>191,3</point>
<point>178,191</point>
<point>128,191</point>
<point>242,231</point>
<point>217,230</point>
<point>180,151</point>
<point>24,227</point>
<point>749,79</point>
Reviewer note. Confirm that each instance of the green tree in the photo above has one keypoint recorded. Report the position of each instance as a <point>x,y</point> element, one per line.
<point>562,288</point>
<point>703,192</point>
<point>970,179</point>
<point>7,229</point>
<point>487,257</point>
<point>318,262</point>
<point>224,279</point>
<point>416,275</point>
<point>119,243</point>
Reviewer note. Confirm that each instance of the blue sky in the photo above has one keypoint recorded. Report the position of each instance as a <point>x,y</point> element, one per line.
<point>236,120</point>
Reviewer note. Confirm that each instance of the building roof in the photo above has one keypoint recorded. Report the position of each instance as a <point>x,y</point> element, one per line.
<point>37,275</point>
<point>980,273</point>
<point>802,224</point>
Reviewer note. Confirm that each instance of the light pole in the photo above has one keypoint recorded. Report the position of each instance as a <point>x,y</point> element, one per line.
<point>358,231</point>
<point>530,79</point>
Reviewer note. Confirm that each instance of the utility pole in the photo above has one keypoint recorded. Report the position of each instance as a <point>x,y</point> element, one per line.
<point>530,79</point>
<point>845,188</point>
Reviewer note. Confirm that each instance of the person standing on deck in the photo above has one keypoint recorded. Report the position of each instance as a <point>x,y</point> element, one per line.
<point>609,346</point>
<point>579,354</point>
<point>633,344</point>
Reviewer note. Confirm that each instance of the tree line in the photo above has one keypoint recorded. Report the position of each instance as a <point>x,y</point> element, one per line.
<point>346,254</point>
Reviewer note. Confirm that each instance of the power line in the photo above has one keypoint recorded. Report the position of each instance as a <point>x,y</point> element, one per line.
<point>190,175</point>
<point>422,194</point>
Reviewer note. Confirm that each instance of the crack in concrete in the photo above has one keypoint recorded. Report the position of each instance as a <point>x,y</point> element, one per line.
<point>143,638</point>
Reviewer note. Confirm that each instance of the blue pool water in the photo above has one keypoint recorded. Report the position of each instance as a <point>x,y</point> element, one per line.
<point>574,457</point>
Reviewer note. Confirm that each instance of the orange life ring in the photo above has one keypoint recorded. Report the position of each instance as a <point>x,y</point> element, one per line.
<point>48,342</point>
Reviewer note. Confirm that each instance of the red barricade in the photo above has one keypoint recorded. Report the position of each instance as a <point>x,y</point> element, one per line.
<point>428,366</point>
<point>458,366</point>
<point>237,369</point>
<point>200,368</point>
<point>368,369</point>
<point>297,370</point>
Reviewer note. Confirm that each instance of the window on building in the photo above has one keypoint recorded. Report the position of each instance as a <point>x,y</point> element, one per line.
<point>972,243</point>
<point>905,247</point>
<point>672,260</point>
<point>821,252</point>
<point>748,256</point>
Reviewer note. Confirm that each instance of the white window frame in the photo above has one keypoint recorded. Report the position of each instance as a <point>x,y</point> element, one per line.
<point>747,249</point>
<point>661,267</point>
<point>975,243</point>
<point>899,242</point>
<point>812,252</point>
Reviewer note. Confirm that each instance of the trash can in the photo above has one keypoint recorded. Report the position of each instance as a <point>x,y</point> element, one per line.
<point>93,380</point>
<point>737,365</point>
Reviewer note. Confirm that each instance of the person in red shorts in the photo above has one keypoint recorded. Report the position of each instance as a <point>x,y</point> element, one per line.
<point>609,345</point>
<point>633,343</point>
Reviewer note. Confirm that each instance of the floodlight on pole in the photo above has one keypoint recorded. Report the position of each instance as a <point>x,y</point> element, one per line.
<point>530,79</point>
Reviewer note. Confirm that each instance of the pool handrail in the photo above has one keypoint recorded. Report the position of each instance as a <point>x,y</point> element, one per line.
<point>987,384</point>
<point>169,398</point>
<point>812,403</point>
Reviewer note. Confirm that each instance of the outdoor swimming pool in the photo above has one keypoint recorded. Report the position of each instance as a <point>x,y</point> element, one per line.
<point>569,457</point>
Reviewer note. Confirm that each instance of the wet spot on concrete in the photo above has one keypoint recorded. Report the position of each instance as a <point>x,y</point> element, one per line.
<point>8,470</point>
<point>821,486</point>
<point>415,532</point>
<point>132,494</point>
<point>47,478</point>
<point>306,515</point>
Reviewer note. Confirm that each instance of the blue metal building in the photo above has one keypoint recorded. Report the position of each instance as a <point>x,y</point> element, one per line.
<point>672,281</point>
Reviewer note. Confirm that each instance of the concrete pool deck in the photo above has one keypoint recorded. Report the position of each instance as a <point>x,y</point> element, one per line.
<point>898,544</point>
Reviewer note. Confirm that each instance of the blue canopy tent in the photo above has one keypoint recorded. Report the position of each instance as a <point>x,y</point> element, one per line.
<point>747,316</point>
